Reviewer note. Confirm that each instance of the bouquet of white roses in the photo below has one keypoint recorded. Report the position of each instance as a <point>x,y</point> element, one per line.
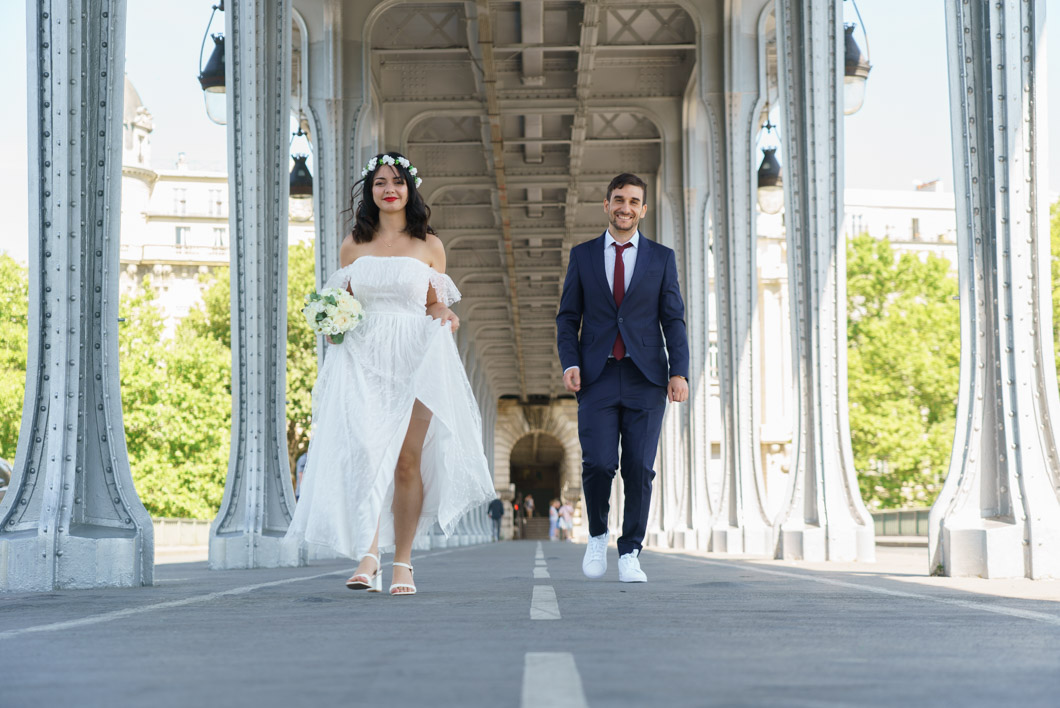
<point>332,312</point>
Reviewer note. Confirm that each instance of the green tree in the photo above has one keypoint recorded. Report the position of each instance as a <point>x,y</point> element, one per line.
<point>213,320</point>
<point>903,336</point>
<point>14,338</point>
<point>176,400</point>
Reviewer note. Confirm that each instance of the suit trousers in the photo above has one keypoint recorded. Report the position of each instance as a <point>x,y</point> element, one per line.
<point>620,408</point>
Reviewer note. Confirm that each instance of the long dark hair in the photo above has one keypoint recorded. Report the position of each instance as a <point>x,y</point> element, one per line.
<point>366,211</point>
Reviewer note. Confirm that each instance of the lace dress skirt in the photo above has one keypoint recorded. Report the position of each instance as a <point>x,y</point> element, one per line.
<point>363,400</point>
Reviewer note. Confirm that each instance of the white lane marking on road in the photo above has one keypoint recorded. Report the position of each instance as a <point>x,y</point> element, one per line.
<point>539,553</point>
<point>543,604</point>
<point>540,563</point>
<point>551,679</point>
<point>196,599</point>
<point>541,573</point>
<point>966,604</point>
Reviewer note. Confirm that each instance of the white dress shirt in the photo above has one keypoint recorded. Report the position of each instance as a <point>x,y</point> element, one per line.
<point>629,261</point>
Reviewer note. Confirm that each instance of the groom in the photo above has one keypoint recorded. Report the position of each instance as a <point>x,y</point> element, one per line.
<point>622,291</point>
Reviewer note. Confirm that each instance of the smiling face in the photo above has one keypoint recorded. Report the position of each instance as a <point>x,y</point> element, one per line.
<point>624,211</point>
<point>389,190</point>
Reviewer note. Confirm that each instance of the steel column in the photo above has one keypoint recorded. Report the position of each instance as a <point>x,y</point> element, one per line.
<point>258,500</point>
<point>825,518</point>
<point>998,514</point>
<point>71,517</point>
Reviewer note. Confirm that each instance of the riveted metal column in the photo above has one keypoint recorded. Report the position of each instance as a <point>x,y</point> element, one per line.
<point>825,518</point>
<point>258,499</point>
<point>998,514</point>
<point>332,181</point>
<point>71,517</point>
<point>741,524</point>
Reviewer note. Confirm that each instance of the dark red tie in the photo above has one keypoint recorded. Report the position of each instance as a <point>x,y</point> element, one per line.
<point>619,350</point>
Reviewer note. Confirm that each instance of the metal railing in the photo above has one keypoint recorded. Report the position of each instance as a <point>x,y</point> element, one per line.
<point>901,522</point>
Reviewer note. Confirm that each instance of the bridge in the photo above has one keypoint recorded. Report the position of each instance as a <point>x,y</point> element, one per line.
<point>516,624</point>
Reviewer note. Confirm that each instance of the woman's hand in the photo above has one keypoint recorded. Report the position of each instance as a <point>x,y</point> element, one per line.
<point>440,312</point>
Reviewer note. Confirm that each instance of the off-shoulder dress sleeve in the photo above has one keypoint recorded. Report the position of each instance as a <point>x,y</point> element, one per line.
<point>339,279</point>
<point>444,288</point>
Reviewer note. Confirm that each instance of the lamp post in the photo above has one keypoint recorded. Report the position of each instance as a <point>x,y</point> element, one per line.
<point>301,178</point>
<point>857,67</point>
<point>212,76</point>
<point>770,181</point>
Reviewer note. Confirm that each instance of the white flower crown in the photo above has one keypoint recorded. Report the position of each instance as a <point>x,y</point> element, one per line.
<point>388,160</point>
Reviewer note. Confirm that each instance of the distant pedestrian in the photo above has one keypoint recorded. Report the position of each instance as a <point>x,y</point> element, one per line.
<point>496,513</point>
<point>553,519</point>
<point>528,505</point>
<point>566,522</point>
<point>299,470</point>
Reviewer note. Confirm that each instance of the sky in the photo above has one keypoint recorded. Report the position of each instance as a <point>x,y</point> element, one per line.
<point>899,137</point>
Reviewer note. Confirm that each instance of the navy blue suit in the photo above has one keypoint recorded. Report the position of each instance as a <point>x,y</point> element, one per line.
<point>621,400</point>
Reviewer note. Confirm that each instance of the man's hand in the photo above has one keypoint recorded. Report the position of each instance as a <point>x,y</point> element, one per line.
<point>440,312</point>
<point>572,379</point>
<point>677,389</point>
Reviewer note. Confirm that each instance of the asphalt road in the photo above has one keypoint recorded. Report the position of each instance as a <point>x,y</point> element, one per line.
<point>484,631</point>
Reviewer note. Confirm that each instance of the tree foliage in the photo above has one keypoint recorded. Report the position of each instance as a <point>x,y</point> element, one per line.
<point>14,337</point>
<point>903,336</point>
<point>213,320</point>
<point>176,392</point>
<point>176,400</point>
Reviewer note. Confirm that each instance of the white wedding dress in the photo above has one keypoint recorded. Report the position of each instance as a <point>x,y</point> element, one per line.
<point>362,404</point>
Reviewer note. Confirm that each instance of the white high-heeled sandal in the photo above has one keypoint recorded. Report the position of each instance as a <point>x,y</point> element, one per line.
<point>374,581</point>
<point>411,588</point>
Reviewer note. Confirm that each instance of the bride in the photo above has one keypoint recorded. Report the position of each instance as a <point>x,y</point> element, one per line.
<point>397,442</point>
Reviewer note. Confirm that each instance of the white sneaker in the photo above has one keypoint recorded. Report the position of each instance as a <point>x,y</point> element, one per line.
<point>629,569</point>
<point>594,564</point>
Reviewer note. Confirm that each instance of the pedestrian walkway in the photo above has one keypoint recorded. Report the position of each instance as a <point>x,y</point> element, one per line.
<point>516,624</point>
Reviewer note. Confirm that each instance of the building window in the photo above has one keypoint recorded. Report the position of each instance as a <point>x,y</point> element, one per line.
<point>183,232</point>
<point>215,202</point>
<point>915,229</point>
<point>220,236</point>
<point>712,359</point>
<point>180,201</point>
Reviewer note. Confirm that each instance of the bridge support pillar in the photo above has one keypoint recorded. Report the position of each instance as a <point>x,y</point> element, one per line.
<point>71,517</point>
<point>998,514</point>
<point>734,99</point>
<point>825,518</point>
<point>258,500</point>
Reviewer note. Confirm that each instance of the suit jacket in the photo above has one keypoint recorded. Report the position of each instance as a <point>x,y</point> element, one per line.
<point>652,309</point>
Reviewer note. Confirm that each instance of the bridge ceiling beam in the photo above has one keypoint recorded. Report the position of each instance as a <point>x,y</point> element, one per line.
<point>484,51</point>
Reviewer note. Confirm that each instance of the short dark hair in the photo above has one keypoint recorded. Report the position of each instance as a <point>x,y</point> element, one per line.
<point>624,179</point>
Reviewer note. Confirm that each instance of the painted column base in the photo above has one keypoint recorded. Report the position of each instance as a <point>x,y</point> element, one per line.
<point>816,544</point>
<point>85,562</point>
<point>750,541</point>
<point>234,552</point>
<point>684,540</point>
<point>995,549</point>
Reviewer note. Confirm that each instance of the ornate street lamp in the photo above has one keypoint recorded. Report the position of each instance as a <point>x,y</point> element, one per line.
<point>770,181</point>
<point>301,178</point>
<point>212,76</point>
<point>857,68</point>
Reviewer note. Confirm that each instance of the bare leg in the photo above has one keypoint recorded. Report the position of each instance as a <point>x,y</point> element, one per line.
<point>367,567</point>
<point>408,491</point>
